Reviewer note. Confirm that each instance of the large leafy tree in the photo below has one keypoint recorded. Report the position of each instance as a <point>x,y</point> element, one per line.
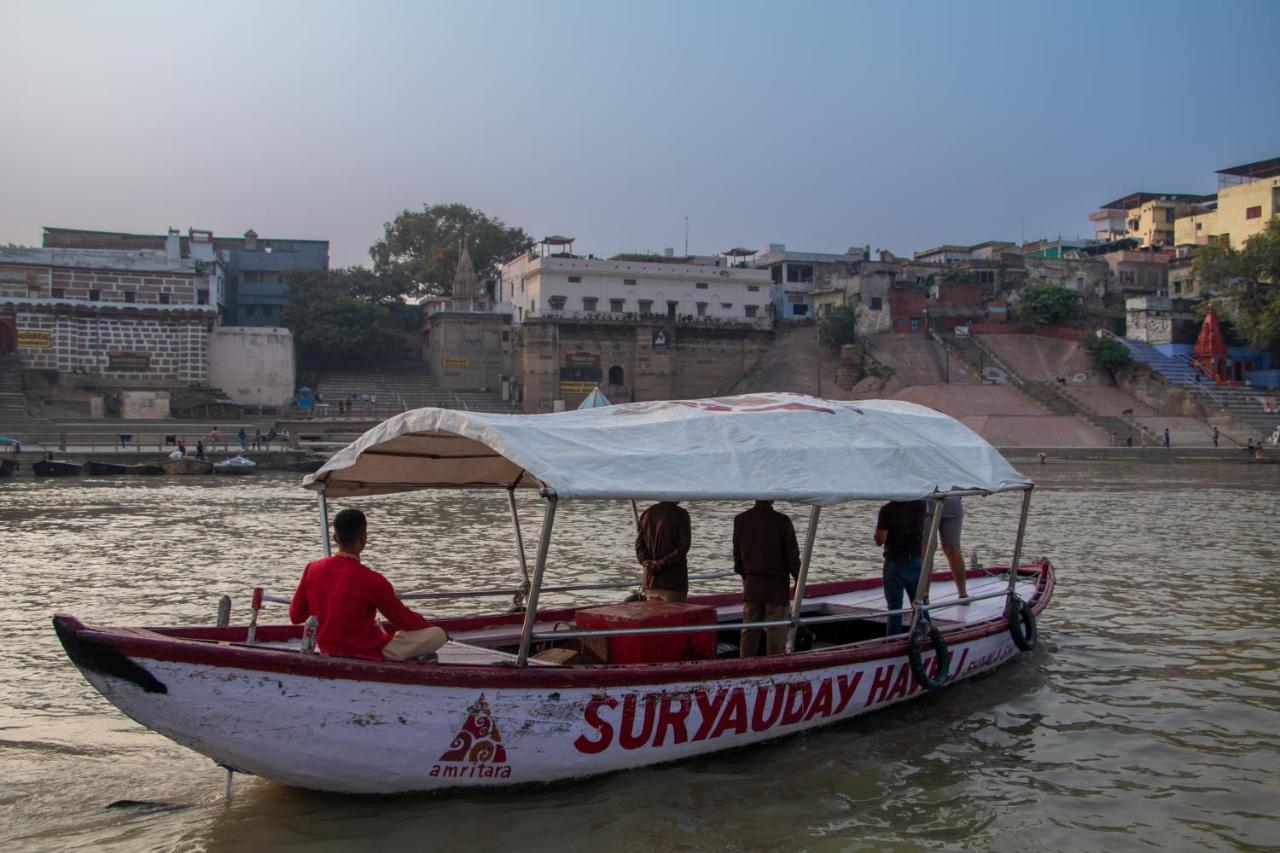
<point>341,316</point>
<point>1250,278</point>
<point>1049,305</point>
<point>420,248</point>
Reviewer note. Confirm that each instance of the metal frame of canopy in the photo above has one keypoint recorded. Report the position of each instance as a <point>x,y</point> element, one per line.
<point>531,588</point>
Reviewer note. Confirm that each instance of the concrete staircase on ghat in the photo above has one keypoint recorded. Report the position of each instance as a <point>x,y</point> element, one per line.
<point>1046,394</point>
<point>13,403</point>
<point>397,387</point>
<point>1244,404</point>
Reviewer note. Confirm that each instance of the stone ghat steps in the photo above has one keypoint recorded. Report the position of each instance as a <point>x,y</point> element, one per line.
<point>398,387</point>
<point>13,403</point>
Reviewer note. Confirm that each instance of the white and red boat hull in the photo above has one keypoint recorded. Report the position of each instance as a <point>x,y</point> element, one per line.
<point>362,727</point>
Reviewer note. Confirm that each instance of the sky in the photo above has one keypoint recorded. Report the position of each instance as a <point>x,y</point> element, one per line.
<point>821,125</point>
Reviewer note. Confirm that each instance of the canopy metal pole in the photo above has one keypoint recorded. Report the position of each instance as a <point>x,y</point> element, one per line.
<point>635,513</point>
<point>324,526</point>
<point>926,572</point>
<point>802,578</point>
<point>531,607</point>
<point>524,566</point>
<point>1017,542</point>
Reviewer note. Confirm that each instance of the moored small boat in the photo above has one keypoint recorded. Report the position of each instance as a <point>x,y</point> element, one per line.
<point>540,694</point>
<point>187,465</point>
<point>56,468</point>
<point>106,469</point>
<point>235,465</point>
<point>7,467</point>
<point>150,469</point>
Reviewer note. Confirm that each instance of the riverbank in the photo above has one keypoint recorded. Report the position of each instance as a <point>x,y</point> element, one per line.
<point>1149,455</point>
<point>266,460</point>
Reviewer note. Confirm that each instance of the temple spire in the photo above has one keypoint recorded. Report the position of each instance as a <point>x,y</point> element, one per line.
<point>464,280</point>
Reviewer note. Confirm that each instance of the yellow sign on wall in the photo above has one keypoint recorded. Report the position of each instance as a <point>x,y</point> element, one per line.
<point>455,362</point>
<point>576,388</point>
<point>34,338</point>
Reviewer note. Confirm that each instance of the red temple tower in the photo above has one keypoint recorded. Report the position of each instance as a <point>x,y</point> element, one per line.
<point>1211,350</point>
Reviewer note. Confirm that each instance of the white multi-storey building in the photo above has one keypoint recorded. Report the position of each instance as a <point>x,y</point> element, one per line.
<point>689,289</point>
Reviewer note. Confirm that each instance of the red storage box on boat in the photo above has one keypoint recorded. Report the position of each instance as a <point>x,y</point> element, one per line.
<point>653,648</point>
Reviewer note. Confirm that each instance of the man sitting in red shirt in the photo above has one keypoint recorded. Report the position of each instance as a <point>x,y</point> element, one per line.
<point>345,596</point>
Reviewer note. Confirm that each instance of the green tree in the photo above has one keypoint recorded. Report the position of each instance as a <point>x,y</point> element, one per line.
<point>1049,305</point>
<point>839,327</point>
<point>1250,279</point>
<point>419,249</point>
<point>339,316</point>
<point>1106,351</point>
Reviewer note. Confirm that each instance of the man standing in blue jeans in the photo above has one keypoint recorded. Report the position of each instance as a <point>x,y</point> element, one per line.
<point>900,529</point>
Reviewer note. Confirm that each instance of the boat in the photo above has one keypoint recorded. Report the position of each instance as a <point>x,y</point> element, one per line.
<point>186,465</point>
<point>103,469</point>
<point>539,694</point>
<point>149,469</point>
<point>235,465</point>
<point>51,467</point>
<point>8,466</point>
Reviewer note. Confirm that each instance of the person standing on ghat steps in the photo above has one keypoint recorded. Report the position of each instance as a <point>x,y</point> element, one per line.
<point>1215,436</point>
<point>1166,437</point>
<point>662,547</point>
<point>346,596</point>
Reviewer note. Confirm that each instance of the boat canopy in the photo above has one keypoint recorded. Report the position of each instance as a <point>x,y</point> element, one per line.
<point>773,446</point>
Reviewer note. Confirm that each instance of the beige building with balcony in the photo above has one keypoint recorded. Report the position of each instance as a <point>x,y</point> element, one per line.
<point>1248,198</point>
<point>1148,218</point>
<point>689,289</point>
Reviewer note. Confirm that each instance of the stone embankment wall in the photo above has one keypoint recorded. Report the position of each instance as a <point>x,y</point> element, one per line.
<point>252,364</point>
<point>564,360</point>
<point>1140,383</point>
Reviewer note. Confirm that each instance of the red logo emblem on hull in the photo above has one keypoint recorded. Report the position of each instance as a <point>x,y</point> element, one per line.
<point>477,751</point>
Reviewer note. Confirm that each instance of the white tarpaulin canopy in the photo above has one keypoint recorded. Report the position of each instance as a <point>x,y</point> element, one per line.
<point>760,446</point>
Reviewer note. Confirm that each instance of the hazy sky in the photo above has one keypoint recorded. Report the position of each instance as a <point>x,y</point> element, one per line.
<point>822,125</point>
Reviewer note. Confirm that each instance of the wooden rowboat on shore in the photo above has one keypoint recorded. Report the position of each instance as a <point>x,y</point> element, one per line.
<point>106,469</point>
<point>540,694</point>
<point>56,468</point>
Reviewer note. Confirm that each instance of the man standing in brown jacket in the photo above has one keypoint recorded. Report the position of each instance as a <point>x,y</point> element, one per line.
<point>767,556</point>
<point>662,547</point>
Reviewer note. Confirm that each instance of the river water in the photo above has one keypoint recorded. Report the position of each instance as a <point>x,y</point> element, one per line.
<point>1149,715</point>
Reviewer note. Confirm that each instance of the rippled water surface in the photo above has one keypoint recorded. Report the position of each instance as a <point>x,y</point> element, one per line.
<point>1148,717</point>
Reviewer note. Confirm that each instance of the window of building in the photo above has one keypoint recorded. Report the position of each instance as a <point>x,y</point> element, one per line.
<point>915,324</point>
<point>776,274</point>
<point>726,305</point>
<point>252,278</point>
<point>164,299</point>
<point>646,306</point>
<point>202,297</point>
<point>1168,214</point>
<point>877,303</point>
<point>752,310</point>
<point>799,310</point>
<point>556,302</point>
<point>631,281</point>
<point>131,296</point>
<point>575,279</point>
<point>702,285</point>
<point>671,309</point>
<point>250,310</point>
<point>59,293</point>
<point>701,308</point>
<point>95,295</point>
<point>1254,212</point>
<point>1199,226</point>
<point>589,303</point>
<point>1127,277</point>
<point>617,306</point>
<point>753,288</point>
<point>801,273</point>
<point>616,375</point>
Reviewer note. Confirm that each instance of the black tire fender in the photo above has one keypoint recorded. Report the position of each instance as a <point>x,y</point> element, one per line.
<point>1022,624</point>
<point>925,628</point>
